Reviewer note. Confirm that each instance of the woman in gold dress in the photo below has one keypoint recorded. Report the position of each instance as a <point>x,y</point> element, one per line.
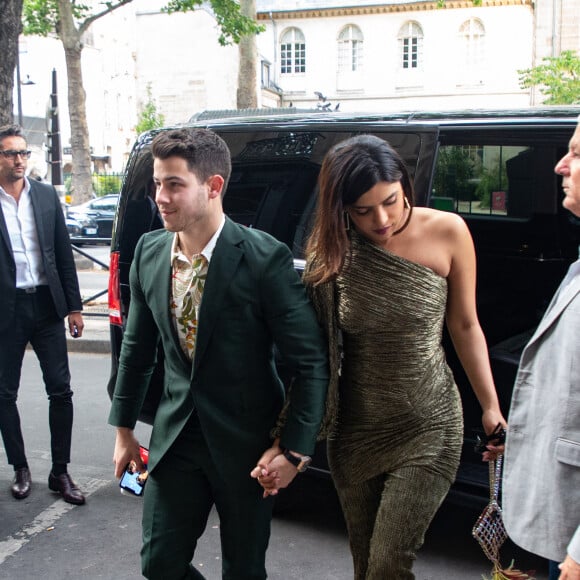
<point>384,277</point>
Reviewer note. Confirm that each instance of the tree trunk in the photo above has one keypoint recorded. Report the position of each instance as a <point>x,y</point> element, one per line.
<point>81,188</point>
<point>10,27</point>
<point>247,97</point>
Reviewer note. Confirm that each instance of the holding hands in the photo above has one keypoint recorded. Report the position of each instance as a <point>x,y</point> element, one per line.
<point>273,471</point>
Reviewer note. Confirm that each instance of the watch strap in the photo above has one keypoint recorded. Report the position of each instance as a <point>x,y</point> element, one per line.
<point>300,463</point>
<point>295,461</point>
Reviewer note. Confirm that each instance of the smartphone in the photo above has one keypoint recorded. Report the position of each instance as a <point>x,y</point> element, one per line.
<point>133,482</point>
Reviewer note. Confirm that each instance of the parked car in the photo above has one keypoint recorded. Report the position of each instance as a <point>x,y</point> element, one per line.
<point>82,230</point>
<point>494,168</point>
<point>92,221</point>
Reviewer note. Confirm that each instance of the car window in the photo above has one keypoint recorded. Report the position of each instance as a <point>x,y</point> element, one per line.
<point>482,176</point>
<point>493,180</point>
<point>108,204</point>
<point>274,177</point>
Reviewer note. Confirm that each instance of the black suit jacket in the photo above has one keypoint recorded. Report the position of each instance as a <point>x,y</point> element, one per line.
<point>57,256</point>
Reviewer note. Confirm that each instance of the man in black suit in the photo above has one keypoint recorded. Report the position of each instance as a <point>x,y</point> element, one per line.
<point>38,288</point>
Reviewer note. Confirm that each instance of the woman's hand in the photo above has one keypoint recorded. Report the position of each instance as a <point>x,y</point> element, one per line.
<point>491,420</point>
<point>263,472</point>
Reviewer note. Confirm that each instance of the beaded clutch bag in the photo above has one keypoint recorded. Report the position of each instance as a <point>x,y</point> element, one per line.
<point>489,530</point>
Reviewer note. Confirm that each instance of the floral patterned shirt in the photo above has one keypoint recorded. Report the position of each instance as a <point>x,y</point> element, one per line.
<point>187,284</point>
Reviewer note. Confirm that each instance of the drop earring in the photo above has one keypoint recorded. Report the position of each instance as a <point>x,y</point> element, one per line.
<point>407,204</point>
<point>346,221</point>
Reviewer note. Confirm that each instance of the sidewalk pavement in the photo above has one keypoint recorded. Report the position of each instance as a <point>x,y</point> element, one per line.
<point>96,336</point>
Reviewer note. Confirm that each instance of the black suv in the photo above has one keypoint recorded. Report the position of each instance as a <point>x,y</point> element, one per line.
<point>495,168</point>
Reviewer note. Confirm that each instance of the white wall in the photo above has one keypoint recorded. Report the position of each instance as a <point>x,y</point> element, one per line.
<point>179,56</point>
<point>442,82</point>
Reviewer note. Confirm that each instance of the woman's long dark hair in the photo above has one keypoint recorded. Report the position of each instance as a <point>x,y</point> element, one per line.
<point>349,170</point>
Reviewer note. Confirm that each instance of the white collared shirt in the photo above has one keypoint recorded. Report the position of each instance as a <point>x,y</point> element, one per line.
<point>21,226</point>
<point>206,252</point>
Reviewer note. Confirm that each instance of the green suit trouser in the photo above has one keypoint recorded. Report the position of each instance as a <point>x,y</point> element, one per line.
<point>179,495</point>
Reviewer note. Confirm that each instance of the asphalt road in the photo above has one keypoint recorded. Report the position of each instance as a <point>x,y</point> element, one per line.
<point>43,537</point>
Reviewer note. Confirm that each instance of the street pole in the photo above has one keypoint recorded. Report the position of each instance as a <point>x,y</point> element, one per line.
<point>54,140</point>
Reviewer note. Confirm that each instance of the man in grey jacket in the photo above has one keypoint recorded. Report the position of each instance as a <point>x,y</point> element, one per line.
<point>541,489</point>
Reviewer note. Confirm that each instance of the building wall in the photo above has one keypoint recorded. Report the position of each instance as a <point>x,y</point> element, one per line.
<point>179,57</point>
<point>112,105</point>
<point>108,78</point>
<point>442,81</point>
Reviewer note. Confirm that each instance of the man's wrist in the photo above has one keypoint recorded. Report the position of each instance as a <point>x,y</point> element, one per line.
<point>300,462</point>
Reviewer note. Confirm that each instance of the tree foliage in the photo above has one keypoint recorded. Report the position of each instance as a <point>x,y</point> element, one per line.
<point>558,78</point>
<point>149,117</point>
<point>42,17</point>
<point>232,23</point>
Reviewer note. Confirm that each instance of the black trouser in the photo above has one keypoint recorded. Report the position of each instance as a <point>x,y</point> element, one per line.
<point>37,323</point>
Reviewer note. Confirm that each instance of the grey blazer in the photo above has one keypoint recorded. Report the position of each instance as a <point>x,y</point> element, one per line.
<point>541,487</point>
<point>57,256</point>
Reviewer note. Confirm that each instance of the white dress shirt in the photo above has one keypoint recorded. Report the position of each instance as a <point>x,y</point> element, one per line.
<point>19,217</point>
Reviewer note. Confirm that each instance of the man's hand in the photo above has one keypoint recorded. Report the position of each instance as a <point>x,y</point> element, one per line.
<point>282,473</point>
<point>570,569</point>
<point>273,471</point>
<point>126,450</point>
<point>267,479</point>
<point>75,324</point>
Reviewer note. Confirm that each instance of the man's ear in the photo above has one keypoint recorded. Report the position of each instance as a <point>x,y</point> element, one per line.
<point>216,184</point>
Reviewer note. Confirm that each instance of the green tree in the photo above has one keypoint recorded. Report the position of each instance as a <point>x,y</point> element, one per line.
<point>454,173</point>
<point>69,20</point>
<point>149,117</point>
<point>558,78</point>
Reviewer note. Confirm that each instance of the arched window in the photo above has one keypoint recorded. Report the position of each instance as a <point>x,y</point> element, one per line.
<point>472,41</point>
<point>292,52</point>
<point>350,49</point>
<point>411,45</point>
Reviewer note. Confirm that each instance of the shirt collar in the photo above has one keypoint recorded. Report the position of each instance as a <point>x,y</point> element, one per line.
<point>24,191</point>
<point>206,252</point>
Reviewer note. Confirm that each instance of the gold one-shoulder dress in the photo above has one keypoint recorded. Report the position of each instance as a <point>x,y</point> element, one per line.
<point>395,443</point>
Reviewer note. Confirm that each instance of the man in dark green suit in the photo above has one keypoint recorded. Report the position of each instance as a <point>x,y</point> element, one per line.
<point>222,395</point>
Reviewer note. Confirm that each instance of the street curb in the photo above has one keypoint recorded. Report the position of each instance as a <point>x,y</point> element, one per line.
<point>83,263</point>
<point>88,345</point>
<point>85,345</point>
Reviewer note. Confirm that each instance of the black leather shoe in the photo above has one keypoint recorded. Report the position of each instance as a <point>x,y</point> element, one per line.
<point>22,483</point>
<point>64,485</point>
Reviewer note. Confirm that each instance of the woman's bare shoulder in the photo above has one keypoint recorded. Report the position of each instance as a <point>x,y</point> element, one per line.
<point>440,222</point>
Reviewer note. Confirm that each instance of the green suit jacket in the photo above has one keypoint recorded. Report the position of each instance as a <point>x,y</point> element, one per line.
<point>253,299</point>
